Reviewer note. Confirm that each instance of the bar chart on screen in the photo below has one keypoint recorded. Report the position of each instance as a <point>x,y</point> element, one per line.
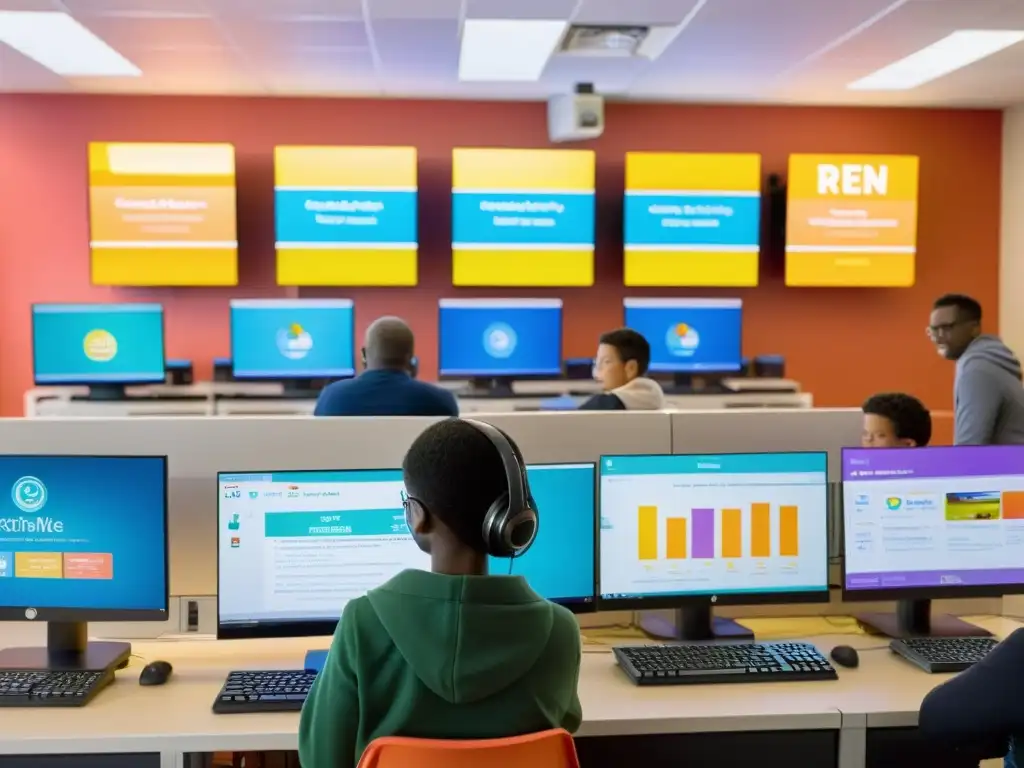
<point>727,525</point>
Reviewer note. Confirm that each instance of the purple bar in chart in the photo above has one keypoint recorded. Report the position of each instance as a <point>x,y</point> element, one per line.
<point>703,533</point>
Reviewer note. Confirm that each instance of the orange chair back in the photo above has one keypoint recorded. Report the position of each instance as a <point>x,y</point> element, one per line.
<point>548,749</point>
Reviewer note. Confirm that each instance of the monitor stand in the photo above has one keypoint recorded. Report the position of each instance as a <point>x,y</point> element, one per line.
<point>497,387</point>
<point>299,389</point>
<point>687,384</point>
<point>107,392</point>
<point>913,618</point>
<point>696,622</point>
<point>67,650</point>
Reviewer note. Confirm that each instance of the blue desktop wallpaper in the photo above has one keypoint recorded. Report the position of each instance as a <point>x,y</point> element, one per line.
<point>96,344</point>
<point>690,339</point>
<point>500,341</point>
<point>292,341</point>
<point>107,511</point>
<point>560,564</point>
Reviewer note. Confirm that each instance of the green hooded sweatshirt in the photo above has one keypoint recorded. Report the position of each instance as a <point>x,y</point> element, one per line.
<point>442,657</point>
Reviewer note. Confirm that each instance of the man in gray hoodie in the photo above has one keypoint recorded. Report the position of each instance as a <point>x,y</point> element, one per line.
<point>987,392</point>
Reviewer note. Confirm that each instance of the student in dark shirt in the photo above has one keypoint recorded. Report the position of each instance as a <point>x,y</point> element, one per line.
<point>386,387</point>
<point>622,359</point>
<point>895,420</point>
<point>980,712</point>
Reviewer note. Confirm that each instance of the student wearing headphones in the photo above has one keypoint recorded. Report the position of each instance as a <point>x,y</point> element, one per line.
<point>453,653</point>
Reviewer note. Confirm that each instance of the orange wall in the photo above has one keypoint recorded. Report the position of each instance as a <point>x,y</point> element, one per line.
<point>842,344</point>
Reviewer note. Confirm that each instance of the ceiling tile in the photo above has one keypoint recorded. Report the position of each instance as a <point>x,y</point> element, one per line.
<point>415,9</point>
<point>131,34</point>
<point>262,35</point>
<point>20,73</point>
<point>643,12</point>
<point>412,48</point>
<point>519,9</point>
<point>29,5</point>
<point>86,8</point>
<point>342,9</point>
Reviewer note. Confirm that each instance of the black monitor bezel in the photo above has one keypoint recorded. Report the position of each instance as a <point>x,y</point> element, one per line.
<point>914,593</point>
<point>86,381</point>
<point>682,369</point>
<point>671,601</point>
<point>555,373</point>
<point>325,627</point>
<point>287,376</point>
<point>19,613</point>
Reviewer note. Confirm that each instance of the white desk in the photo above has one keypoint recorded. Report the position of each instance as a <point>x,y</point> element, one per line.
<point>175,719</point>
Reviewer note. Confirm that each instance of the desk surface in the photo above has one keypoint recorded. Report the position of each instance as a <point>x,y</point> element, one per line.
<point>177,717</point>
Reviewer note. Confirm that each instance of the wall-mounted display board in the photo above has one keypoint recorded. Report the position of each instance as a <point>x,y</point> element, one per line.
<point>851,220</point>
<point>692,219</point>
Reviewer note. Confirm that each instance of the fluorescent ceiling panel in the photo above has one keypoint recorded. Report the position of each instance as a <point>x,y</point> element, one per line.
<point>62,45</point>
<point>497,50</point>
<point>949,54</point>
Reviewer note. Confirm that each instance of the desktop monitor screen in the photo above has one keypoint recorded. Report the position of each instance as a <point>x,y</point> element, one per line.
<point>295,547</point>
<point>98,344</point>
<point>292,338</point>
<point>83,538</point>
<point>924,523</point>
<point>689,335</point>
<point>726,528</point>
<point>500,337</point>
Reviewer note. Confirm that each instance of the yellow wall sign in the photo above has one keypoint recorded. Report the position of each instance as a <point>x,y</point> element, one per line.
<point>851,220</point>
<point>162,214</point>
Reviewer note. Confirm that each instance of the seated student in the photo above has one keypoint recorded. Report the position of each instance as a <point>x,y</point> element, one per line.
<point>387,387</point>
<point>895,420</point>
<point>452,653</point>
<point>622,359</point>
<point>979,714</point>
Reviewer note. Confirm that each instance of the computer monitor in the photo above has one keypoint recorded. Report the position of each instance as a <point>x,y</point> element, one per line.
<point>689,336</point>
<point>82,538</point>
<point>692,531</point>
<point>294,547</point>
<point>292,339</point>
<point>927,523</point>
<point>495,341</point>
<point>104,346</point>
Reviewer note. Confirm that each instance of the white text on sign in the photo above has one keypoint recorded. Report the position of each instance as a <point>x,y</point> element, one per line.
<point>852,179</point>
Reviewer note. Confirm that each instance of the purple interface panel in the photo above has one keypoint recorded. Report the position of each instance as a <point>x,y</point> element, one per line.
<point>864,466</point>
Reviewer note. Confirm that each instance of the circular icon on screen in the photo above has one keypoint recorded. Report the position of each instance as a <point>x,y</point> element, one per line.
<point>99,345</point>
<point>682,339</point>
<point>294,342</point>
<point>500,340</point>
<point>29,494</point>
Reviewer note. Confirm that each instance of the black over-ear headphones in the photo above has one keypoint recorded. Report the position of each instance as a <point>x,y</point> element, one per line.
<point>511,523</point>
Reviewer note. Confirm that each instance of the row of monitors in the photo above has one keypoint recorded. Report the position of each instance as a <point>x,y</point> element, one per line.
<point>315,338</point>
<point>632,532</point>
<point>164,214</point>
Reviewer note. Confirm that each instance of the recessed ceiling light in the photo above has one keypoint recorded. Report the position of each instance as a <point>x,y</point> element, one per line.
<point>62,45</point>
<point>947,55</point>
<point>499,50</point>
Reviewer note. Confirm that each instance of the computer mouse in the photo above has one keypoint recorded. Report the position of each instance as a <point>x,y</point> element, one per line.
<point>156,673</point>
<point>845,656</point>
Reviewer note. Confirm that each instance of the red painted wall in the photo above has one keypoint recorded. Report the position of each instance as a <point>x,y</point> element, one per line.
<point>843,344</point>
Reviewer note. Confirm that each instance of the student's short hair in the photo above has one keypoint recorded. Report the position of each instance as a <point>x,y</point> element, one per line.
<point>455,470</point>
<point>630,345</point>
<point>967,308</point>
<point>910,419</point>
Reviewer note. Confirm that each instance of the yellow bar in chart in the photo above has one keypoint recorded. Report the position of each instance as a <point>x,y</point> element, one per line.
<point>732,533</point>
<point>789,544</point>
<point>647,533</point>
<point>675,535</point>
<point>760,530</point>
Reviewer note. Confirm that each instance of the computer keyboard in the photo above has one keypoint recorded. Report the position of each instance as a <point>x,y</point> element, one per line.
<point>264,691</point>
<point>694,663</point>
<point>43,688</point>
<point>944,654</point>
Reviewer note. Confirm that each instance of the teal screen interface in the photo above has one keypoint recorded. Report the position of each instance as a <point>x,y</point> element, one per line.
<point>297,546</point>
<point>287,339</point>
<point>98,343</point>
<point>83,532</point>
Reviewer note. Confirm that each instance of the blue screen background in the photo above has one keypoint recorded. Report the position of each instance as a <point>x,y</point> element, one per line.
<point>537,349</point>
<point>58,335</point>
<point>720,331</point>
<point>255,347</point>
<point>560,564</point>
<point>108,505</point>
